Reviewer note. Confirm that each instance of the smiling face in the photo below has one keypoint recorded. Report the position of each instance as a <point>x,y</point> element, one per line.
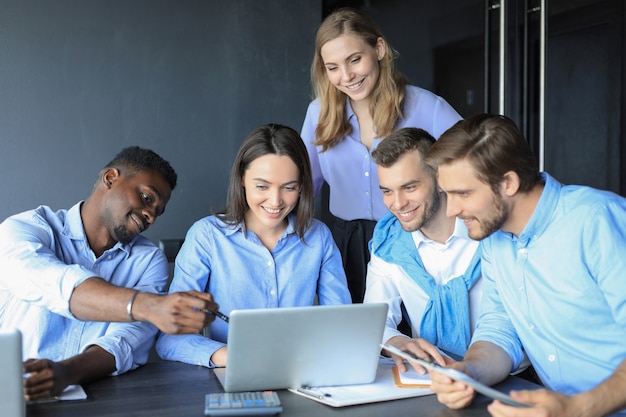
<point>133,202</point>
<point>409,191</point>
<point>272,187</point>
<point>483,211</point>
<point>352,65</point>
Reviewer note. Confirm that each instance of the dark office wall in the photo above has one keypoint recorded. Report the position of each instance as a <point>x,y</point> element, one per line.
<point>81,79</point>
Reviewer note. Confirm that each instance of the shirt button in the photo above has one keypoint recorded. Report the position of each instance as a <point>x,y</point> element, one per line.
<point>523,251</point>
<point>273,292</point>
<point>551,358</point>
<point>269,263</point>
<point>367,174</point>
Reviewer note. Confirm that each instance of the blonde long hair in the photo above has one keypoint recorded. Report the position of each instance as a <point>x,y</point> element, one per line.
<point>386,101</point>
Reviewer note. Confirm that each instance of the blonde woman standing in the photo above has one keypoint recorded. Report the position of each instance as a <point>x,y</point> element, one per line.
<point>360,98</point>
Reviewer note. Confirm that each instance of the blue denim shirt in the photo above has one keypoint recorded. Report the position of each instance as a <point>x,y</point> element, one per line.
<point>231,263</point>
<point>44,255</point>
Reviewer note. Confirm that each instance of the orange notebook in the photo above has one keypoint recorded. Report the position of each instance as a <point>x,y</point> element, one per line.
<point>410,378</point>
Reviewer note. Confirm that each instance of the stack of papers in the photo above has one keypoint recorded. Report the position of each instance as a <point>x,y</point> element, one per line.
<point>384,388</point>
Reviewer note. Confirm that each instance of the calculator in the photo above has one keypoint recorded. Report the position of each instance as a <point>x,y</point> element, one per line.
<point>249,403</point>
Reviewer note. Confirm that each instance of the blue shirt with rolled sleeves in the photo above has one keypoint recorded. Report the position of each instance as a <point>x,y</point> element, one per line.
<point>559,289</point>
<point>44,255</point>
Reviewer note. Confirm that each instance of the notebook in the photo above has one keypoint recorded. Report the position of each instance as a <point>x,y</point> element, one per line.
<point>294,347</point>
<point>12,391</point>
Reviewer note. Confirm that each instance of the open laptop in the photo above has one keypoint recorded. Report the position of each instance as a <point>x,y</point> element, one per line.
<point>12,391</point>
<point>292,347</point>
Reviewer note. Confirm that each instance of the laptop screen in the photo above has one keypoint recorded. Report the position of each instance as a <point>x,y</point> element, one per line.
<point>291,347</point>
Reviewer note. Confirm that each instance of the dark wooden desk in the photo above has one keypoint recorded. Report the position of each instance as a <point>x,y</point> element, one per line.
<point>174,389</point>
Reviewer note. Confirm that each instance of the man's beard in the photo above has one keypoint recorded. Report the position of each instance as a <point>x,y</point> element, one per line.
<point>494,223</point>
<point>123,235</point>
<point>429,211</point>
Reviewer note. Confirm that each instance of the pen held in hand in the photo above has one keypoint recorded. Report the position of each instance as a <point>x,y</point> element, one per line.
<point>217,314</point>
<point>221,316</point>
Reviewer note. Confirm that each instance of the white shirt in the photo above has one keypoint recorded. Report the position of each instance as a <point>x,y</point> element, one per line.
<point>390,284</point>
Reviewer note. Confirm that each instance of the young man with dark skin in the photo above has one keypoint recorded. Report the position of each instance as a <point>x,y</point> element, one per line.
<point>553,269</point>
<point>82,285</point>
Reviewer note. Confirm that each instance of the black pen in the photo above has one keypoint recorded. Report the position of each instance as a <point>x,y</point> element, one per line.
<point>218,314</point>
<point>221,315</point>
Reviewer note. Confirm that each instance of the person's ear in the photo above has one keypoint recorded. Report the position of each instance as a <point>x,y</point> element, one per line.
<point>510,183</point>
<point>109,176</point>
<point>381,48</point>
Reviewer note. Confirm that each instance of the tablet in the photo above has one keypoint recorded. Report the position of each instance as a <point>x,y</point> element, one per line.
<point>457,376</point>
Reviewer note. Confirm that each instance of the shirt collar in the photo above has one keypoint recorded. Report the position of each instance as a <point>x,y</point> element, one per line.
<point>349,112</point>
<point>230,229</point>
<point>73,227</point>
<point>352,119</point>
<point>542,215</point>
<point>460,231</point>
<point>241,227</point>
<point>75,230</point>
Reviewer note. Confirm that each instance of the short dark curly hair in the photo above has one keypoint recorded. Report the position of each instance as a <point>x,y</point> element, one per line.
<point>135,159</point>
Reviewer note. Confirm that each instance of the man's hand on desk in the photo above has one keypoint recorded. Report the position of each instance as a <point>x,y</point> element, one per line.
<point>42,379</point>
<point>176,313</point>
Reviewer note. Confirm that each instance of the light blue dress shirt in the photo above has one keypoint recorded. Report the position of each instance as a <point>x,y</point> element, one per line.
<point>44,255</point>
<point>560,287</point>
<point>348,167</point>
<point>231,263</point>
